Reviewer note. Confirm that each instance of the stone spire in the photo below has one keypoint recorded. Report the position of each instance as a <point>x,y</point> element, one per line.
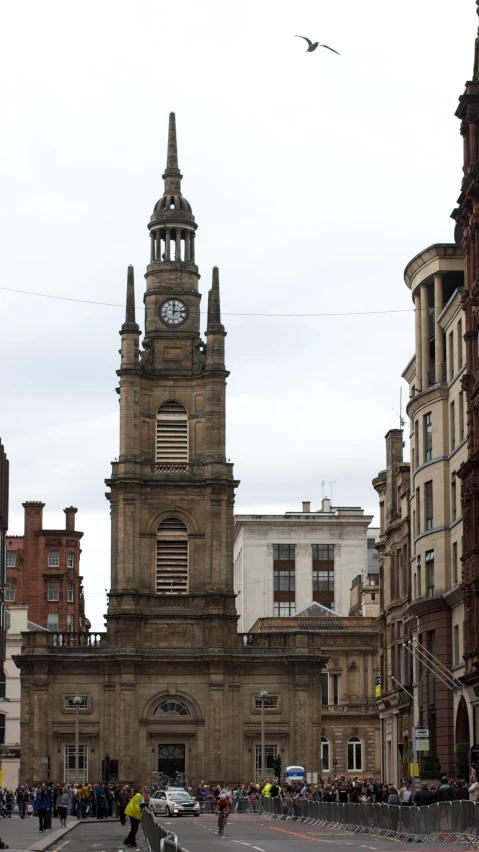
<point>214,308</point>
<point>130,323</point>
<point>172,175</point>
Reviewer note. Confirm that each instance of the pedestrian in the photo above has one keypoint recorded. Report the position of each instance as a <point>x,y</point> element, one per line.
<point>63,804</point>
<point>122,799</point>
<point>20,795</point>
<point>42,808</point>
<point>134,810</point>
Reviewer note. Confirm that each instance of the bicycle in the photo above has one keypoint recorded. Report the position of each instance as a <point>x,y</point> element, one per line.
<point>222,820</point>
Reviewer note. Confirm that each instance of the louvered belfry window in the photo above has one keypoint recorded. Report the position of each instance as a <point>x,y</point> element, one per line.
<point>172,557</point>
<point>172,438</point>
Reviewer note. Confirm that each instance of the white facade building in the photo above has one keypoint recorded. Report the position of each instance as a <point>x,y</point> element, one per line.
<point>17,623</point>
<point>284,562</point>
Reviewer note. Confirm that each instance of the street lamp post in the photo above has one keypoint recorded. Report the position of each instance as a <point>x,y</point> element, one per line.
<point>263,694</point>
<point>77,700</point>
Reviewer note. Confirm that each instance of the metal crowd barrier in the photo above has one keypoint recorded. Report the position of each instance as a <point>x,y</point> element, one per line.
<point>448,822</point>
<point>152,837</point>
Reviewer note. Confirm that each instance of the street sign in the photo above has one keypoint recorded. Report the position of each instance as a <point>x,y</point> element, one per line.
<point>422,738</point>
<point>377,688</point>
<point>335,761</point>
<point>43,759</point>
<point>422,733</point>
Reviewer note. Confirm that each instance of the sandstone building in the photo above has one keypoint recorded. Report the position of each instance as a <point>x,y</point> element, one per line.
<point>43,572</point>
<point>171,685</point>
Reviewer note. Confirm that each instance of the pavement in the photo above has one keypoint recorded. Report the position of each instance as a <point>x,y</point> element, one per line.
<point>199,835</point>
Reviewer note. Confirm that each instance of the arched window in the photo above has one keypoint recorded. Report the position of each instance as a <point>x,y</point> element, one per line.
<point>172,557</point>
<point>172,708</point>
<point>324,754</point>
<point>172,438</point>
<point>355,753</point>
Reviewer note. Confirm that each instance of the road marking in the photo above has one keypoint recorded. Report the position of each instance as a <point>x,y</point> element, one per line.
<point>61,846</point>
<point>258,848</point>
<point>296,834</point>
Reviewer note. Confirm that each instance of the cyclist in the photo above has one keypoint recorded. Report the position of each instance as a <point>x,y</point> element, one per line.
<point>222,809</point>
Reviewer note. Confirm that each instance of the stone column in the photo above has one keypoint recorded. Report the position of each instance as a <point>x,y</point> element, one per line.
<point>439,343</point>
<point>187,245</point>
<point>128,741</point>
<point>417,326</point>
<point>167,244</point>
<point>152,249</point>
<point>178,244</point>
<point>424,335</point>
<point>304,576</point>
<point>192,248</point>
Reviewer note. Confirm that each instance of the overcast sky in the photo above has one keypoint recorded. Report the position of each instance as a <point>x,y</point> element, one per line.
<point>314,179</point>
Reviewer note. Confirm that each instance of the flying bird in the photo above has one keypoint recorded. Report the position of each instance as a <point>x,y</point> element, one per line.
<point>313,45</point>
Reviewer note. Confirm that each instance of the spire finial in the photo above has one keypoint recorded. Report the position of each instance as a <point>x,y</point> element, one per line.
<point>214,306</point>
<point>130,319</point>
<point>172,175</point>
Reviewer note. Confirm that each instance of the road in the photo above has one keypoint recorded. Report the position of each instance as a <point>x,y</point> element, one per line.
<point>242,832</point>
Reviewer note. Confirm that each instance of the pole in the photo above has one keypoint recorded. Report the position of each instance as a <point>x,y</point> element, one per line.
<point>77,743</point>
<point>263,747</point>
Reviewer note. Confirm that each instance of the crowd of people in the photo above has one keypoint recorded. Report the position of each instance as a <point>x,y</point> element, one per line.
<point>356,790</point>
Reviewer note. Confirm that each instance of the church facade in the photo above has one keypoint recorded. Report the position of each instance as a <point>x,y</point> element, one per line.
<point>171,685</point>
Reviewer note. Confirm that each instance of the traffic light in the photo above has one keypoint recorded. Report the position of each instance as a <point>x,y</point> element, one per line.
<point>277,766</point>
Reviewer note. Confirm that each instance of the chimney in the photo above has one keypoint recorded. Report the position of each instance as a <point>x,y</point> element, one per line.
<point>306,506</point>
<point>326,505</point>
<point>33,515</point>
<point>70,519</point>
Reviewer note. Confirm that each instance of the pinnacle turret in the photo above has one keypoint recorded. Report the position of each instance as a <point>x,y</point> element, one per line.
<point>172,175</point>
<point>214,307</point>
<point>130,323</point>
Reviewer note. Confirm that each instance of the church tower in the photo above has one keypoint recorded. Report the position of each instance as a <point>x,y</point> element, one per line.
<point>172,490</point>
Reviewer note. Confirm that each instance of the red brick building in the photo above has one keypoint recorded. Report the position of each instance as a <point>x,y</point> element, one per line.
<point>43,572</point>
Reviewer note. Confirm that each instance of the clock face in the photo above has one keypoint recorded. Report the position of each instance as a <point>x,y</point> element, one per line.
<point>173,312</point>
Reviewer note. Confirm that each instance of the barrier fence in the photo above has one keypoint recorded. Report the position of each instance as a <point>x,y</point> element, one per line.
<point>152,837</point>
<point>442,821</point>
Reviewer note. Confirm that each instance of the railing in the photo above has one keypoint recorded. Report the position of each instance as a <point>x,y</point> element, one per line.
<point>437,377</point>
<point>171,468</point>
<point>267,640</point>
<point>451,821</point>
<point>152,837</point>
<point>77,640</point>
<point>328,623</point>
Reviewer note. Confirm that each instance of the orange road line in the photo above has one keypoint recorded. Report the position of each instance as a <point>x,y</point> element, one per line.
<point>297,834</point>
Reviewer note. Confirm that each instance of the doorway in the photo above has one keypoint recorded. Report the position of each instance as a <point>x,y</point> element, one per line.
<point>171,759</point>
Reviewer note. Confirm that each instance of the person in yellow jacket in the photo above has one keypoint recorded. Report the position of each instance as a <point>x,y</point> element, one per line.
<point>266,791</point>
<point>134,810</point>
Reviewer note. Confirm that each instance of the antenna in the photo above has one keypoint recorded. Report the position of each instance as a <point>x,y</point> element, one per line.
<point>330,483</point>
<point>402,421</point>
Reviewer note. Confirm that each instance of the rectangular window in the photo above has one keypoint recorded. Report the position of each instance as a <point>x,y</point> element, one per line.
<point>270,703</point>
<point>418,512</point>
<point>324,552</point>
<point>70,704</point>
<point>335,688</point>
<point>428,437</point>
<point>459,344</point>
<point>72,776</point>
<point>455,645</point>
<point>430,573</point>
<point>284,608</point>
<point>455,573</point>
<point>52,621</point>
<point>10,592</point>
<point>461,416</point>
<point>270,752</point>
<point>324,689</point>
<point>284,581</point>
<point>53,559</point>
<point>452,419</point>
<point>416,441</point>
<point>323,581</point>
<point>283,552</point>
<point>70,559</point>
<point>428,501</point>
<point>324,754</point>
<point>453,496</point>
<point>451,356</point>
<point>69,623</point>
<point>70,597</point>
<point>11,559</point>
<point>53,592</point>
<point>418,568</point>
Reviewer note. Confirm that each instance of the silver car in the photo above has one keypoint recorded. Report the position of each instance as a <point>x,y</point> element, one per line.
<point>174,802</point>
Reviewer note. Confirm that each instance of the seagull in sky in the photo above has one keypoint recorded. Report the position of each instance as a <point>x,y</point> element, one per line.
<point>313,45</point>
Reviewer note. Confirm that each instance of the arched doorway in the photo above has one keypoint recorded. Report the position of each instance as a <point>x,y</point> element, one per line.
<point>463,739</point>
